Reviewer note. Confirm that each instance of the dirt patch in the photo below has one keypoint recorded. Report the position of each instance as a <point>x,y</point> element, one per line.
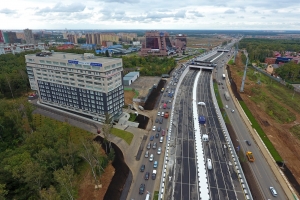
<point>87,187</point>
<point>128,96</point>
<point>205,42</point>
<point>285,142</point>
<point>142,120</point>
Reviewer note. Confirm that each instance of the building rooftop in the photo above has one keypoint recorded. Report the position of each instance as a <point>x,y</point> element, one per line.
<point>75,58</point>
<point>127,78</point>
<point>131,74</point>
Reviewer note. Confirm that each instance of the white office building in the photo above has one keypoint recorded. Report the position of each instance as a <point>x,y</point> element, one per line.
<point>84,84</point>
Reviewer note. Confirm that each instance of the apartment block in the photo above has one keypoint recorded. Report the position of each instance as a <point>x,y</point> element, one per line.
<point>28,36</point>
<point>82,84</point>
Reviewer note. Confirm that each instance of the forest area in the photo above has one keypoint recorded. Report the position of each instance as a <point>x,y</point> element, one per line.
<point>150,65</point>
<point>259,49</point>
<point>41,158</point>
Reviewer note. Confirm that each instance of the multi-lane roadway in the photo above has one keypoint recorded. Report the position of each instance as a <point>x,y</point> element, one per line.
<point>260,168</point>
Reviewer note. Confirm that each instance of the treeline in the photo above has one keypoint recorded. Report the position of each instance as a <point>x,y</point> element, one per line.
<point>290,72</point>
<point>150,65</point>
<point>259,49</point>
<point>13,76</point>
<point>42,162</point>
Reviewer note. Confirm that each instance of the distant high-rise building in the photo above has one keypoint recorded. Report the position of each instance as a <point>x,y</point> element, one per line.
<point>180,42</point>
<point>28,36</point>
<point>1,37</point>
<point>72,38</point>
<point>98,38</point>
<point>157,44</point>
<point>11,37</point>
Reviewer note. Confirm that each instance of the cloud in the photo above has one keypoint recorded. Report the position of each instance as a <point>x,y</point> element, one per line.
<point>121,1</point>
<point>74,7</point>
<point>196,13</point>
<point>7,11</point>
<point>229,11</point>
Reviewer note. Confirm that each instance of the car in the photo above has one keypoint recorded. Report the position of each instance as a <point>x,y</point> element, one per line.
<point>151,138</point>
<point>149,145</point>
<point>163,132</point>
<point>147,174</point>
<point>162,114</point>
<point>142,189</point>
<point>273,191</point>
<point>147,154</point>
<point>159,150</point>
<point>157,135</point>
<point>151,158</point>
<point>155,164</point>
<point>249,144</point>
<point>158,113</point>
<point>162,101</point>
<point>232,111</point>
<point>142,169</point>
<point>161,120</point>
<point>158,129</point>
<point>170,101</point>
<point>157,120</point>
<point>161,139</point>
<point>226,106</point>
<point>154,145</point>
<point>154,128</point>
<point>168,107</point>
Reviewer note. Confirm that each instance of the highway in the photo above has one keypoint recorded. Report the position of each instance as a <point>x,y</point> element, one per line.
<point>139,179</point>
<point>185,168</point>
<point>261,170</point>
<point>222,178</point>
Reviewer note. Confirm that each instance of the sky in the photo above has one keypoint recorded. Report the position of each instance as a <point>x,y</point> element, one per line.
<point>151,14</point>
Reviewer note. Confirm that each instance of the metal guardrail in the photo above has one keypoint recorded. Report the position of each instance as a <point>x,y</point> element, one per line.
<point>231,148</point>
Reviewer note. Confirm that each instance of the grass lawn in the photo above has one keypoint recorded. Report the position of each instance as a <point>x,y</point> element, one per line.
<point>225,117</point>
<point>155,195</point>
<point>135,91</point>
<point>132,117</point>
<point>230,62</point>
<point>261,133</point>
<point>122,134</point>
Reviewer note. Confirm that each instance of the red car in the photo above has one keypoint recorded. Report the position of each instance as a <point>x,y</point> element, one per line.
<point>163,132</point>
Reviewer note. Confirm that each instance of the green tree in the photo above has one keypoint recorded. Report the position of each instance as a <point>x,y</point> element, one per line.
<point>65,178</point>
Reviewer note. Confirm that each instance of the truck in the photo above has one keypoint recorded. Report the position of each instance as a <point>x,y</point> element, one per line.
<point>226,95</point>
<point>141,108</point>
<point>223,76</point>
<point>153,174</point>
<point>165,106</point>
<point>250,156</point>
<point>166,115</point>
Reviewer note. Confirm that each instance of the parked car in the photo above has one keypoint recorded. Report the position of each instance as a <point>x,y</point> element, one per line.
<point>147,154</point>
<point>142,189</point>
<point>154,128</point>
<point>149,145</point>
<point>249,144</point>
<point>142,169</point>
<point>232,111</point>
<point>158,129</point>
<point>161,120</point>
<point>154,145</point>
<point>162,114</point>
<point>163,132</point>
<point>158,113</point>
<point>151,157</point>
<point>159,150</point>
<point>157,135</point>
<point>226,106</point>
<point>147,174</point>
<point>155,164</point>
<point>162,101</point>
<point>157,120</point>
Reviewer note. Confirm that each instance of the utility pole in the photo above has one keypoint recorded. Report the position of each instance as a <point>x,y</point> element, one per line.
<point>244,77</point>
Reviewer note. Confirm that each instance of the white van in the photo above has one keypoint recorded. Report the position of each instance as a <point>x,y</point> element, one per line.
<point>147,196</point>
<point>201,103</point>
<point>209,165</point>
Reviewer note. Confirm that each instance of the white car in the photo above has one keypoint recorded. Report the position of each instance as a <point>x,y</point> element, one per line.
<point>232,111</point>
<point>159,150</point>
<point>154,128</point>
<point>226,106</point>
<point>162,114</point>
<point>158,113</point>
<point>151,158</point>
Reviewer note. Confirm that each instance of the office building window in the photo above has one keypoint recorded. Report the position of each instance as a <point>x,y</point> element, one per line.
<point>62,64</point>
<point>42,61</point>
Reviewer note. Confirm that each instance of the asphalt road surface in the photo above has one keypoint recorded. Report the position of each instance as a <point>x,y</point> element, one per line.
<point>185,180</point>
<point>260,168</point>
<point>222,179</point>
